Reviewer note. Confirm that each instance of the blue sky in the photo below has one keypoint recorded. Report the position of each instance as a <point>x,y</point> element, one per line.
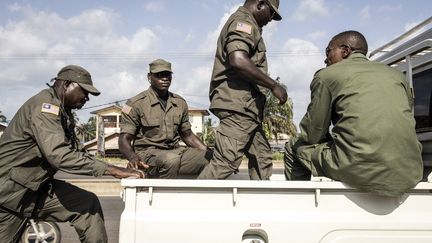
<point>115,41</point>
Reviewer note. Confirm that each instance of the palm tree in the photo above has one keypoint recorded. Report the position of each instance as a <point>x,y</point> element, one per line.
<point>278,118</point>
<point>87,131</point>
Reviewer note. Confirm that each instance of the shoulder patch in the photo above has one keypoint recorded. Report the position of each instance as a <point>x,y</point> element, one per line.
<point>126,109</point>
<point>50,108</point>
<point>243,27</point>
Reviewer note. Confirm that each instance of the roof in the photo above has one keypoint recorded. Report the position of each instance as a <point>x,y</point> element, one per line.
<point>202,111</point>
<point>115,107</point>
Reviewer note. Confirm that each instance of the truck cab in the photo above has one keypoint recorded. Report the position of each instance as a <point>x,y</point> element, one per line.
<point>414,58</point>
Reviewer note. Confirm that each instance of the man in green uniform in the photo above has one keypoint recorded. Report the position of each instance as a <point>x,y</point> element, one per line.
<point>39,141</point>
<point>237,93</point>
<point>372,144</point>
<point>155,120</point>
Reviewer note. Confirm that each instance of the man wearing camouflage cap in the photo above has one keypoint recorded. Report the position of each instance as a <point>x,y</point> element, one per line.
<point>155,121</point>
<point>39,141</point>
<point>238,90</point>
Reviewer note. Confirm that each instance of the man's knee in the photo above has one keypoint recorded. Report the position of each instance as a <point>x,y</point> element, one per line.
<point>294,169</point>
<point>217,171</point>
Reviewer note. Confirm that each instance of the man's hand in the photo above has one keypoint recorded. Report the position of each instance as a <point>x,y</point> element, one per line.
<point>280,92</point>
<point>120,172</point>
<point>137,163</point>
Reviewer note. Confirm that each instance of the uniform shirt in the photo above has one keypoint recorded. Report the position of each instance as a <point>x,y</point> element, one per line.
<point>37,143</point>
<point>152,125</point>
<point>374,143</point>
<point>228,90</point>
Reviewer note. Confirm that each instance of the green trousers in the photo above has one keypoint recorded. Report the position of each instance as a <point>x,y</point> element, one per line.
<point>301,161</point>
<point>169,164</point>
<point>66,203</point>
<point>238,135</point>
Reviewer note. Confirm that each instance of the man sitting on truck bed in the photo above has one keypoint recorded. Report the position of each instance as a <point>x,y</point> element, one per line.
<point>372,144</point>
<point>155,120</point>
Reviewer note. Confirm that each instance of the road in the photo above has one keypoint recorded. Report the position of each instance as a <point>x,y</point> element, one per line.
<point>113,207</point>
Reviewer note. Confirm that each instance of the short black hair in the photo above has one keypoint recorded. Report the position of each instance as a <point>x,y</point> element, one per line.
<point>353,40</point>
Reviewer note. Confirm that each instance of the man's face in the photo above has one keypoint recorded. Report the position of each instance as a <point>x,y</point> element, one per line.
<point>161,81</point>
<point>74,96</point>
<point>264,14</point>
<point>334,53</point>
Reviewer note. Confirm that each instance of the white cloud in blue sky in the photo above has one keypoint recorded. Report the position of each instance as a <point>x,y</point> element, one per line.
<point>155,6</point>
<point>365,12</point>
<point>310,9</point>
<point>115,41</point>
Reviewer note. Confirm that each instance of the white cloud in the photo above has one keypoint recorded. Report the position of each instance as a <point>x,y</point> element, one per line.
<point>154,6</point>
<point>317,35</point>
<point>365,13</point>
<point>296,71</point>
<point>14,7</point>
<point>390,8</point>
<point>209,45</point>
<point>310,9</point>
<point>40,43</point>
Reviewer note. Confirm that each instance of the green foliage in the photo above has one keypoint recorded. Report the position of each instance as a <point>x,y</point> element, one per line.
<point>87,131</point>
<point>278,118</point>
<point>277,156</point>
<point>208,136</point>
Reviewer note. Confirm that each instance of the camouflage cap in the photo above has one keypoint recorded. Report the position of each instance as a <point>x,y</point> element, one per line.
<point>275,6</point>
<point>78,75</point>
<point>160,65</point>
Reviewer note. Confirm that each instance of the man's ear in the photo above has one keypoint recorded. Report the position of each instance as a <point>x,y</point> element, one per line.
<point>66,84</point>
<point>346,52</point>
<point>260,4</point>
<point>148,77</point>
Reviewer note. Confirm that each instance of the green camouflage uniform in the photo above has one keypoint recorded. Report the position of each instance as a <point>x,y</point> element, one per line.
<point>157,134</point>
<point>238,104</point>
<point>39,141</point>
<point>372,144</point>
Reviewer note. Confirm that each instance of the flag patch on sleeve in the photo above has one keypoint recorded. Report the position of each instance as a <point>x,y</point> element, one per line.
<point>247,28</point>
<point>126,109</point>
<point>49,108</point>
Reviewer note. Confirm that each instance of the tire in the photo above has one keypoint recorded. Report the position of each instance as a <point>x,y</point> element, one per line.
<point>49,231</point>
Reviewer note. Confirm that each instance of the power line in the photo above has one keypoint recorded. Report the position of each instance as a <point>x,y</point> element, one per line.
<point>147,56</point>
<point>110,103</point>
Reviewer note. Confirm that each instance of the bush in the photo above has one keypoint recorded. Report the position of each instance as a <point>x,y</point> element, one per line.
<point>278,156</point>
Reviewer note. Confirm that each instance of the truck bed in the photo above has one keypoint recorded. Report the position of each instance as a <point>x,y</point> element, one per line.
<point>165,211</point>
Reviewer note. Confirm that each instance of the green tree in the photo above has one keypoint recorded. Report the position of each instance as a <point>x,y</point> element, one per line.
<point>278,118</point>
<point>2,117</point>
<point>208,135</point>
<point>87,131</point>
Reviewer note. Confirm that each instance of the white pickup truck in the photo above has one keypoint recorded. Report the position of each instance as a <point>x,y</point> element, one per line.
<point>165,211</point>
<point>278,211</point>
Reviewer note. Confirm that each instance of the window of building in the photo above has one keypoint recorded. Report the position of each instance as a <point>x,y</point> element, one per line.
<point>422,102</point>
<point>110,121</point>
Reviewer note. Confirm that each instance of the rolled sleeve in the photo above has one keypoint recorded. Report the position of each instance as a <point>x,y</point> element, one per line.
<point>130,121</point>
<point>238,40</point>
<point>237,45</point>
